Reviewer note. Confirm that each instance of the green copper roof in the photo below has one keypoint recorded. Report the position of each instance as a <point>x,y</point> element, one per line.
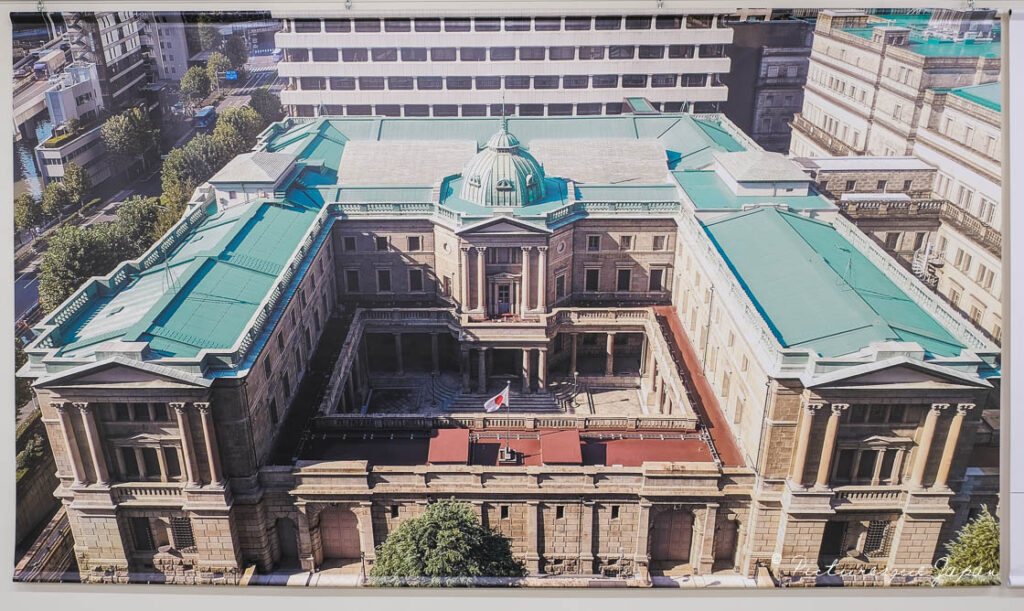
<point>815,290</point>
<point>707,192</point>
<point>989,95</point>
<point>503,174</point>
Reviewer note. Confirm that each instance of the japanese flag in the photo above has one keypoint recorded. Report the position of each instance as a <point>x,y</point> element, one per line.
<point>498,401</point>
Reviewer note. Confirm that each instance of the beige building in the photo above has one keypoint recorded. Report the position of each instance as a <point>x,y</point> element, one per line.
<point>283,379</point>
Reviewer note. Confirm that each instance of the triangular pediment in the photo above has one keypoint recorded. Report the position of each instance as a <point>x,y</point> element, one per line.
<point>120,372</point>
<point>896,373</point>
<point>504,225</point>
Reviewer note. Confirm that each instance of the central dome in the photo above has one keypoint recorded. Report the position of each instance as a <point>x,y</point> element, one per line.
<point>502,174</point>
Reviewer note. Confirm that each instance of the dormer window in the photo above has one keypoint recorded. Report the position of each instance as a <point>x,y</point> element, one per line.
<point>505,185</point>
<point>530,180</point>
<point>474,181</point>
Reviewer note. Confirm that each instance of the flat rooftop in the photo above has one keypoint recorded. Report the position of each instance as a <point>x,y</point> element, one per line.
<point>708,192</point>
<point>989,95</point>
<point>862,163</point>
<point>931,47</point>
<point>546,447</point>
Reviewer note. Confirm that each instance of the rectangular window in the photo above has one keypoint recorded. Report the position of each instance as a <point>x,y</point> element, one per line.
<point>503,54</point>
<point>634,80</point>
<point>560,286</point>
<point>384,54</point>
<point>397,83</point>
<point>426,82</point>
<point>680,51</point>
<point>621,51</point>
<point>367,25</point>
<point>663,80</point>
<point>517,24</point>
<point>659,242</point>
<point>121,412</point>
<point>381,242</point>
<point>866,466</point>
<point>888,460</point>
<point>370,83</point>
<point>304,26</point>
<point>459,82</point>
<point>383,280</point>
<point>355,55</point>
<point>875,540</point>
<point>622,282</point>
<point>140,411</point>
<point>547,24</point>
<point>338,25</point>
<point>656,280</point>
<point>608,23</point>
<point>343,83</point>
<point>575,81</point>
<point>577,23</point>
<point>442,54</point>
<point>414,54</point>
<point>593,242</point>
<point>559,512</point>
<point>531,53</point>
<point>545,81</point>
<point>605,81</point>
<point>844,465</point>
<point>591,52</point>
<point>592,277</point>
<point>456,24</point>
<point>349,243</point>
<point>635,22</point>
<point>487,24</point>
<point>626,242</point>
<point>325,55</point>
<point>615,512</point>
<point>181,533</point>
<point>131,465</point>
<point>504,512</point>
<point>517,82</point>
<point>313,83</point>
<point>171,460</point>
<point>352,280</point>
<point>414,242</point>
<point>151,463</point>
<point>561,53</point>
<point>416,280</point>
<point>652,51</point>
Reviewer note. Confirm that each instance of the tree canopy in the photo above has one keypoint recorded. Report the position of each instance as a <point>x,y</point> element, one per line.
<point>55,198</point>
<point>446,545</point>
<point>209,36</point>
<point>129,135</point>
<point>28,212</point>
<point>195,85</point>
<point>216,64</point>
<point>973,557</point>
<point>77,182</point>
<point>266,104</point>
<point>236,51</point>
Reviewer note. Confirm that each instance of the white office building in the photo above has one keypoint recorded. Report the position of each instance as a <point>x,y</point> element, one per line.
<point>164,33</point>
<point>473,65</point>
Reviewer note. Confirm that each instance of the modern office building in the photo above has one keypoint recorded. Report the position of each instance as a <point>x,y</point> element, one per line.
<point>474,65</point>
<point>769,61</point>
<point>111,41</point>
<point>163,33</point>
<point>301,363</point>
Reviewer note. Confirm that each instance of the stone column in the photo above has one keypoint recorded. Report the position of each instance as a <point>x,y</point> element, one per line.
<point>526,370</point>
<point>641,556</point>
<point>92,436</point>
<point>542,278</point>
<point>399,366</point>
<point>481,374</point>
<point>949,449</point>
<point>481,276</point>
<point>609,362</point>
<point>707,543</point>
<point>162,460</point>
<point>572,354</point>
<point>659,387</point>
<point>542,369</point>
<point>464,278</point>
<point>364,516</point>
<point>70,442</point>
<point>305,540</point>
<point>435,359</point>
<point>925,445</point>
<point>804,436</point>
<point>524,304</point>
<point>828,448</point>
<point>586,565</point>
<point>191,470</point>
<point>465,368</point>
<point>210,437</point>
<point>532,536</point>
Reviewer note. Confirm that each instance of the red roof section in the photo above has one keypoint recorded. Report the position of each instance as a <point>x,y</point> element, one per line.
<point>706,403</point>
<point>561,447</point>
<point>449,446</point>
<point>635,452</point>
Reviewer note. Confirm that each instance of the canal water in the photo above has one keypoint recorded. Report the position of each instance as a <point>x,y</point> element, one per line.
<point>26,173</point>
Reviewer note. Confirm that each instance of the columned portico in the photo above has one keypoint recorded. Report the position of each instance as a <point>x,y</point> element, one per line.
<point>829,446</point>
<point>464,278</point>
<point>952,437</point>
<point>542,276</point>
<point>191,469</point>
<point>481,374</point>
<point>526,371</point>
<point>524,289</point>
<point>92,435</point>
<point>924,446</point>
<point>803,439</point>
<point>68,432</point>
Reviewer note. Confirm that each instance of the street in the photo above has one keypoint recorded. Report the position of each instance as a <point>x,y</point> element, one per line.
<point>26,293</point>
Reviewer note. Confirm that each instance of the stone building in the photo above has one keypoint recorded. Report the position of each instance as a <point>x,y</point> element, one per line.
<point>868,74</point>
<point>711,370</point>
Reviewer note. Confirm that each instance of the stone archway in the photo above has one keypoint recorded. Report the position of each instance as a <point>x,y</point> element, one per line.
<point>339,534</point>
<point>671,538</point>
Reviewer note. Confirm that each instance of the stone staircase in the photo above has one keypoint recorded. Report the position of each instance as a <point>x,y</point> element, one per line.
<point>541,402</point>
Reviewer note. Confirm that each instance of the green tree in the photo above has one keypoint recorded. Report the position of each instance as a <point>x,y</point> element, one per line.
<point>973,557</point>
<point>229,142</point>
<point>55,199</point>
<point>246,120</point>
<point>195,85</point>
<point>209,36</point>
<point>77,182</point>
<point>267,105</point>
<point>186,168</point>
<point>236,51</point>
<point>216,64</point>
<point>136,219</point>
<point>445,545</point>
<point>22,386</point>
<point>73,255</point>
<point>128,136</point>
<point>28,212</point>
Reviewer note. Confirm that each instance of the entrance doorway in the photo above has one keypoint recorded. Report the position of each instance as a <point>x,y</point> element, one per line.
<point>725,545</point>
<point>339,534</point>
<point>833,540</point>
<point>503,298</point>
<point>287,543</point>
<point>671,536</point>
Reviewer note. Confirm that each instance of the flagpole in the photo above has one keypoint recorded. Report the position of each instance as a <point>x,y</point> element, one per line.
<point>508,413</point>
